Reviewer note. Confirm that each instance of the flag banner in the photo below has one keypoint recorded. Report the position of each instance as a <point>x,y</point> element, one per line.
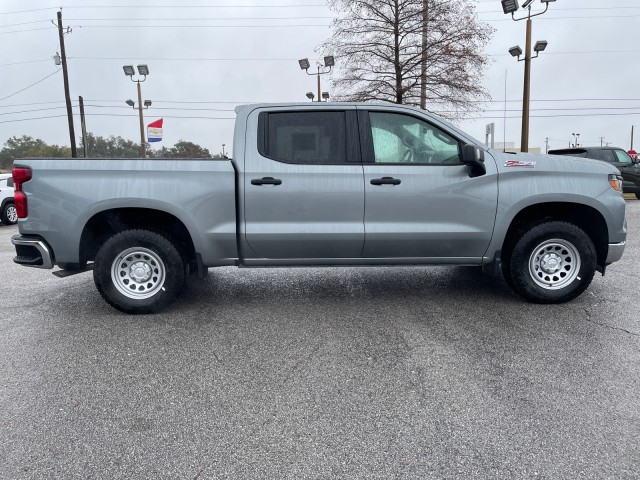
<point>154,131</point>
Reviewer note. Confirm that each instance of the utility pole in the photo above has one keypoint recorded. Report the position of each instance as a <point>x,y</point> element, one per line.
<point>72,135</point>
<point>601,141</point>
<point>546,145</point>
<point>83,126</point>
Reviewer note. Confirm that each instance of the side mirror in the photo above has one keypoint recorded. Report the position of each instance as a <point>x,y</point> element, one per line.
<point>473,157</point>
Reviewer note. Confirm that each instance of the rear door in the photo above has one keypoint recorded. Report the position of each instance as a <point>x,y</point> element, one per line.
<point>303,185</point>
<point>419,199</point>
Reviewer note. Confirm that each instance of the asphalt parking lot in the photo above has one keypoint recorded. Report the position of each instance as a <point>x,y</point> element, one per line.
<point>321,373</point>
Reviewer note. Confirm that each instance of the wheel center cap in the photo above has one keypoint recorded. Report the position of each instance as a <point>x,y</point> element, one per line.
<point>551,263</point>
<point>140,272</point>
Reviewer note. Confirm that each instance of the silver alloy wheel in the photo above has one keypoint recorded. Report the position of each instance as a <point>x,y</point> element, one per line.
<point>138,273</point>
<point>12,214</point>
<point>554,264</point>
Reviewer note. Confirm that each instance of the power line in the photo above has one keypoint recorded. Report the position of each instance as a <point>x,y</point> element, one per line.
<point>245,102</point>
<point>115,115</point>
<point>32,110</point>
<point>572,9</point>
<point>303,5</point>
<point>205,19</point>
<point>26,61</point>
<point>28,104</point>
<point>25,88</point>
<point>199,59</point>
<point>26,11</point>
<point>564,18</point>
<point>556,116</point>
<point>591,52</point>
<point>23,23</point>
<point>196,26</point>
<point>26,30</point>
<point>32,118</point>
<point>163,108</point>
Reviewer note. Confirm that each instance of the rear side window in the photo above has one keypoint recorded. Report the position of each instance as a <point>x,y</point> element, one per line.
<point>608,156</point>
<point>10,182</point>
<point>303,137</point>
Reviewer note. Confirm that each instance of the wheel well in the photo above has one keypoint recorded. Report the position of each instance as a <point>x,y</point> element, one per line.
<point>105,224</point>
<point>583,216</point>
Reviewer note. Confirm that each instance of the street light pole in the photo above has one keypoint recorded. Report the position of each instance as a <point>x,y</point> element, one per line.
<point>526,94</point>
<point>329,61</point>
<point>143,70</point>
<point>511,6</point>
<point>143,146</point>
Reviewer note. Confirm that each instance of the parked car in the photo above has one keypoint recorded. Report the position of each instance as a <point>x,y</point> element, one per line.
<point>629,168</point>
<point>8,214</point>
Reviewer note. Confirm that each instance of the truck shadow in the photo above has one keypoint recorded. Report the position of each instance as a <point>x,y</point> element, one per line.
<point>229,286</point>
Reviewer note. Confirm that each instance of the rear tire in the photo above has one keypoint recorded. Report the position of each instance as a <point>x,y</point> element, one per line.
<point>638,195</point>
<point>552,262</point>
<point>9,215</point>
<point>139,271</point>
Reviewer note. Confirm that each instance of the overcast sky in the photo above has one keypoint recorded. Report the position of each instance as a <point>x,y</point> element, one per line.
<point>205,57</point>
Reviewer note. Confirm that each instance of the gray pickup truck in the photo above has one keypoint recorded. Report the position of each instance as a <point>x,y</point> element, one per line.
<point>322,185</point>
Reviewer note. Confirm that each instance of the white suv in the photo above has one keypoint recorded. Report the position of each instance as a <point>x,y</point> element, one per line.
<point>8,214</point>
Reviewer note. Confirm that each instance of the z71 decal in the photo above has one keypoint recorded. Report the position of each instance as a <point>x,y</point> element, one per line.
<point>517,163</point>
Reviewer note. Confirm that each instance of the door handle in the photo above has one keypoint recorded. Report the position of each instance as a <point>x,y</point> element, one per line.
<point>266,181</point>
<point>385,181</point>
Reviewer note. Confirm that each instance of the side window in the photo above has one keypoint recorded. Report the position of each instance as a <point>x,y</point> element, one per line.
<point>623,157</point>
<point>304,137</point>
<point>10,182</point>
<point>401,138</point>
<point>607,156</point>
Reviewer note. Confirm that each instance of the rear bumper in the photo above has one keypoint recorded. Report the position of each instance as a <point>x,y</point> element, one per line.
<point>615,252</point>
<point>32,252</point>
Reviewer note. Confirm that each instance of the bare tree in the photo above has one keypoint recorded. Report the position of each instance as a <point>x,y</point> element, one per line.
<point>427,53</point>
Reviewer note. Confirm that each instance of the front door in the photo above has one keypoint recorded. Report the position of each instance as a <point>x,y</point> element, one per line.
<point>630,171</point>
<point>419,199</point>
<point>303,186</point>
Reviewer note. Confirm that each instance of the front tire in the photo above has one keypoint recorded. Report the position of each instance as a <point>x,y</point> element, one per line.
<point>139,271</point>
<point>552,262</point>
<point>9,214</point>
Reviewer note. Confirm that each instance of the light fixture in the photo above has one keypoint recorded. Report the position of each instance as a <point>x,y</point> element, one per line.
<point>131,103</point>
<point>325,96</point>
<point>509,6</point>
<point>329,61</point>
<point>143,70</point>
<point>147,103</point>
<point>128,70</point>
<point>304,63</point>
<point>515,51</point>
<point>310,96</point>
<point>540,46</point>
<point>526,4</point>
